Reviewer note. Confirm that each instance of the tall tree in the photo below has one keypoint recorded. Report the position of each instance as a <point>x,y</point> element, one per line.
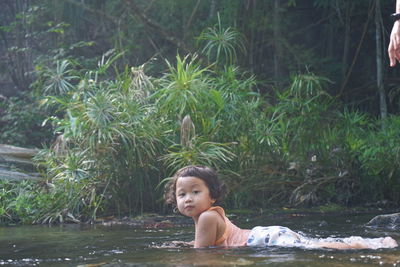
<point>379,59</point>
<point>15,36</point>
<point>277,41</point>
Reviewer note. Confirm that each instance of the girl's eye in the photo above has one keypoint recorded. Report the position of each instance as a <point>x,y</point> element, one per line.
<point>181,195</point>
<point>196,192</point>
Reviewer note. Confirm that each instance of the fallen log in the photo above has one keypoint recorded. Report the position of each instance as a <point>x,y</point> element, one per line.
<point>18,176</point>
<point>17,152</point>
<point>16,163</point>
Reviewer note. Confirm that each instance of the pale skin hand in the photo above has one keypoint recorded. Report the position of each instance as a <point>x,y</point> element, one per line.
<point>394,45</point>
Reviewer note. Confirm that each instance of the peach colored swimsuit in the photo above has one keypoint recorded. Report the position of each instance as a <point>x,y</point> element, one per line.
<point>233,235</point>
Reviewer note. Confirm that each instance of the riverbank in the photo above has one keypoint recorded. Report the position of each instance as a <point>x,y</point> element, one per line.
<point>156,221</point>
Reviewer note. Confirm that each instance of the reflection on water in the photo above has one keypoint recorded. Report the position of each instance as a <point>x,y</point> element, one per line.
<point>83,245</point>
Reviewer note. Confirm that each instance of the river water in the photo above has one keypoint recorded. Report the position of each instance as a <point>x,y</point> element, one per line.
<point>122,245</point>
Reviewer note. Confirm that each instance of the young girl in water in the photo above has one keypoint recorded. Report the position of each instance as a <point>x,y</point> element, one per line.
<point>195,190</point>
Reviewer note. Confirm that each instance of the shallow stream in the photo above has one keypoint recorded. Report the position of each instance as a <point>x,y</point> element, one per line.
<point>122,245</point>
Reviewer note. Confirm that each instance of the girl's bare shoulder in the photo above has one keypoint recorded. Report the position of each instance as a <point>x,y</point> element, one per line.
<point>210,216</point>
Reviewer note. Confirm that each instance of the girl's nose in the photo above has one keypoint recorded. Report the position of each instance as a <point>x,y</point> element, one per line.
<point>188,198</point>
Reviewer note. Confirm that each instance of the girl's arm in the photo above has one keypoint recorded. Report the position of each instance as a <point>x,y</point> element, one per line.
<point>386,242</point>
<point>206,229</point>
<point>339,245</point>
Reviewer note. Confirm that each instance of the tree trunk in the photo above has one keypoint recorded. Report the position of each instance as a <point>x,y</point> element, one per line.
<point>379,60</point>
<point>187,26</point>
<point>350,69</point>
<point>347,39</point>
<point>277,41</point>
<point>252,40</point>
<point>16,43</point>
<point>330,38</point>
<point>213,8</point>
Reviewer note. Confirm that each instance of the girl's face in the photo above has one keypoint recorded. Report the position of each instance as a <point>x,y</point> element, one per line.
<point>192,196</point>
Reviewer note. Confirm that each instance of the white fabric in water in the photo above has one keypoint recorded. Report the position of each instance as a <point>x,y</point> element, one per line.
<point>274,236</point>
<point>282,236</point>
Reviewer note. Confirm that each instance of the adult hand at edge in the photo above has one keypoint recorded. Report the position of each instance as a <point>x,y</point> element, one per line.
<point>394,45</point>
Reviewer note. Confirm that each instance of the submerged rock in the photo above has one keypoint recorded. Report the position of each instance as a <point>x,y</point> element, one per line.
<point>148,221</point>
<point>389,221</point>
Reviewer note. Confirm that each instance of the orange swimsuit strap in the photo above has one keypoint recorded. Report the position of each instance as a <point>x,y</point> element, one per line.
<point>227,228</point>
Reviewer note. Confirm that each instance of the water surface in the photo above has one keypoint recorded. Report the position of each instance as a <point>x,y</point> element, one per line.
<point>98,245</point>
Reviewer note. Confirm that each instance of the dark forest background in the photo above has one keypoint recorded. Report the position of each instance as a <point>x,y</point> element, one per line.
<point>293,101</point>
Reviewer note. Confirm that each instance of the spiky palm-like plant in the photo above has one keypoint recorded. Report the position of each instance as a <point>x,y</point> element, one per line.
<point>59,80</point>
<point>221,43</point>
<point>196,150</point>
<point>184,88</point>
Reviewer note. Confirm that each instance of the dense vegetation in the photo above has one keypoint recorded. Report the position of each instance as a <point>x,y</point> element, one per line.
<point>291,101</point>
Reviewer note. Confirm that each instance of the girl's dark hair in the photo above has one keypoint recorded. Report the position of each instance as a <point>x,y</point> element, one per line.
<point>208,175</point>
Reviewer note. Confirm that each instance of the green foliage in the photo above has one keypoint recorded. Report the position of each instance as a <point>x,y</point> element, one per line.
<point>102,122</point>
<point>117,139</point>
<point>58,80</point>
<point>28,202</point>
<point>184,89</point>
<point>192,150</point>
<point>120,131</point>
<point>221,45</point>
<point>21,122</point>
<point>14,200</point>
<point>295,151</point>
<point>379,156</point>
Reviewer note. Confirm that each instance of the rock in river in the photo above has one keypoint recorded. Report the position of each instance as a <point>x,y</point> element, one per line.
<point>389,221</point>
